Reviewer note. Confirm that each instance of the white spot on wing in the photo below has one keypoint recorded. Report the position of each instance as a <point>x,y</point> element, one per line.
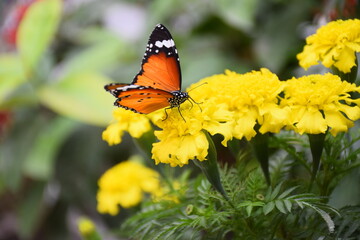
<point>165,43</point>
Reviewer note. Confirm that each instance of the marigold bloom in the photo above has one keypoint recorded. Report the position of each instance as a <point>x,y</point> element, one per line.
<point>125,120</point>
<point>318,102</point>
<point>86,226</point>
<point>333,44</point>
<point>124,185</point>
<point>231,105</point>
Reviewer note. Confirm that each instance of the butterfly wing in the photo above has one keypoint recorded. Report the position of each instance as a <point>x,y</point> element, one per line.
<point>160,66</point>
<point>141,99</point>
<point>159,81</point>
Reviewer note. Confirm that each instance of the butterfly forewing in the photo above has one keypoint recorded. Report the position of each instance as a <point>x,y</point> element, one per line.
<point>143,100</point>
<point>160,65</point>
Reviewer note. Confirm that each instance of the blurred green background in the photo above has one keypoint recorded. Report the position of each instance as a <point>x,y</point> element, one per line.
<point>53,107</point>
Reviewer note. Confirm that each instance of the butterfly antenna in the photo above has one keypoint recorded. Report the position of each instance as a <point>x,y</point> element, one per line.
<point>197,86</point>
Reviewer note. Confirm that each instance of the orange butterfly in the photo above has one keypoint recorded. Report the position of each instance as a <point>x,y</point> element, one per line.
<point>158,84</point>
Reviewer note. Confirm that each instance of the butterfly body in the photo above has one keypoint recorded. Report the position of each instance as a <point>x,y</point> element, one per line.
<point>158,84</point>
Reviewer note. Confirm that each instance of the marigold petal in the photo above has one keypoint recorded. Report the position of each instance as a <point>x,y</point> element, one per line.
<point>337,122</point>
<point>307,57</point>
<point>346,60</point>
<point>352,112</point>
<point>311,122</point>
<point>113,133</point>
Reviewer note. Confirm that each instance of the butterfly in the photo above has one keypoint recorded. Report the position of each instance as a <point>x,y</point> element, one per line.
<point>158,84</point>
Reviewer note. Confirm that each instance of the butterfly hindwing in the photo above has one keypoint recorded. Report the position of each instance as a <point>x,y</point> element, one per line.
<point>160,66</point>
<point>142,99</point>
<point>113,87</point>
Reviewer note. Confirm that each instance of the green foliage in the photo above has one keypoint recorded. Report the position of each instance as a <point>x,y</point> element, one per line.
<point>256,213</point>
<point>37,30</point>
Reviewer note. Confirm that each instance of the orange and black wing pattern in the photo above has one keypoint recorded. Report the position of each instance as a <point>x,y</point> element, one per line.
<point>143,99</point>
<point>158,84</point>
<point>160,67</point>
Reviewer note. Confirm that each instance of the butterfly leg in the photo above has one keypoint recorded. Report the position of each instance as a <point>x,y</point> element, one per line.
<point>181,114</point>
<point>166,114</point>
<point>193,101</point>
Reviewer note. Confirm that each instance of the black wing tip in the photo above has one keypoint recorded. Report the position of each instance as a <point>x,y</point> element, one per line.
<point>160,25</point>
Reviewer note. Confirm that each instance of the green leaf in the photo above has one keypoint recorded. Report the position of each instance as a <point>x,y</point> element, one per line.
<point>260,145</point>
<point>329,222</point>
<point>11,75</point>
<point>80,96</point>
<point>97,57</point>
<point>316,145</point>
<point>210,168</point>
<point>268,207</point>
<point>280,206</point>
<point>37,29</point>
<point>288,205</point>
<point>287,192</point>
<point>275,192</point>
<point>39,163</point>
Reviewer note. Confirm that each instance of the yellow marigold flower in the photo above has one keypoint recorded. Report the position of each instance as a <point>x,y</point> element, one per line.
<point>333,44</point>
<point>318,102</point>
<point>250,98</point>
<point>125,120</point>
<point>231,104</point>
<point>124,185</point>
<point>86,226</point>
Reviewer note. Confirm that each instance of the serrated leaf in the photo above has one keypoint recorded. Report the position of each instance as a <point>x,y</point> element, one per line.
<point>268,207</point>
<point>288,205</point>
<point>287,192</point>
<point>81,97</point>
<point>299,203</point>
<point>249,209</point>
<point>329,222</point>
<point>275,192</point>
<point>37,29</point>
<point>280,206</point>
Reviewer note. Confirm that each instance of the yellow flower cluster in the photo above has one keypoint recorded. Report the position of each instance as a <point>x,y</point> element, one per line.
<point>230,104</point>
<point>124,120</point>
<point>124,185</point>
<point>238,105</point>
<point>334,44</point>
<point>318,102</point>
